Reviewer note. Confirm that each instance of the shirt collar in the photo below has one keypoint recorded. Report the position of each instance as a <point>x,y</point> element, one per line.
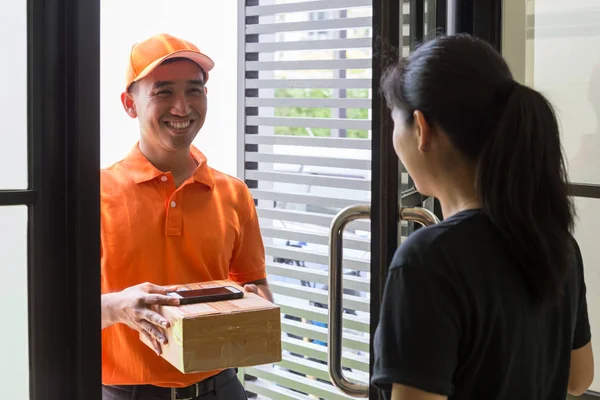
<point>142,170</point>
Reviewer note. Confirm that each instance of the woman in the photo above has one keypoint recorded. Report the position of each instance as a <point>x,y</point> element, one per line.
<point>490,303</point>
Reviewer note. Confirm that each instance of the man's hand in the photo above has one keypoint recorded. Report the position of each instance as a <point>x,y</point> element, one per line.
<point>261,288</point>
<point>137,307</point>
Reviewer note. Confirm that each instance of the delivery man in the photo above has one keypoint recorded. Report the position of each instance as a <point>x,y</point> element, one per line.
<point>168,218</point>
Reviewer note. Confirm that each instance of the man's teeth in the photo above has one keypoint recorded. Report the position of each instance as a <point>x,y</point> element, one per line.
<point>179,125</point>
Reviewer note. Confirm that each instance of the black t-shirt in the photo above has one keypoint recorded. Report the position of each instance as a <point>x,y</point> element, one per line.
<point>457,319</point>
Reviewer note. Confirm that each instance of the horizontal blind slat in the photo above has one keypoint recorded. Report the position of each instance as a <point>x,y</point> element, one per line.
<point>301,198</point>
<point>347,63</point>
<point>307,102</point>
<point>331,123</point>
<point>306,179</point>
<point>329,44</point>
<point>305,6</point>
<point>339,23</point>
<point>340,143</point>
<point>308,83</point>
<point>306,160</point>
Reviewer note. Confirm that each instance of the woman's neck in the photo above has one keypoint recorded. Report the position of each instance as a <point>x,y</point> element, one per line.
<point>458,193</point>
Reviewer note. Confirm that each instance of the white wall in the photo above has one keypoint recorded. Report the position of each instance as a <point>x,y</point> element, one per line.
<point>212,26</point>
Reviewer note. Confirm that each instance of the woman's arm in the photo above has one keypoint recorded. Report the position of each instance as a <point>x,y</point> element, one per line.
<point>401,392</point>
<point>582,370</point>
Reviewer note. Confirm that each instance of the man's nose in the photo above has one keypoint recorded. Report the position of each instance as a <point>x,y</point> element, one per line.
<point>180,106</point>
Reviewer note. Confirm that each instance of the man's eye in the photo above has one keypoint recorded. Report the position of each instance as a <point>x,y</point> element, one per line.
<point>163,93</point>
<point>197,90</point>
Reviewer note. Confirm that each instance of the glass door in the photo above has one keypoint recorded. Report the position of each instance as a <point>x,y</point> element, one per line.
<point>552,45</point>
<point>49,185</point>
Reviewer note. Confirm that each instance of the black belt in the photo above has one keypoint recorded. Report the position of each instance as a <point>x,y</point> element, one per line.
<point>192,392</point>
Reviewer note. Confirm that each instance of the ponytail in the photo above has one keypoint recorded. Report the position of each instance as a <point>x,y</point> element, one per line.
<point>522,181</point>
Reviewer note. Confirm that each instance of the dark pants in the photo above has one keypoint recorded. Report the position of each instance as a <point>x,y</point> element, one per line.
<point>224,386</point>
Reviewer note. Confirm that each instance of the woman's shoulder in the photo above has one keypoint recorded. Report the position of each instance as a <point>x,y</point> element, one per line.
<point>431,246</point>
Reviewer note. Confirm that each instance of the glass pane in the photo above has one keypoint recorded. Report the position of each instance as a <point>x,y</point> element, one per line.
<point>13,100</point>
<point>586,235</point>
<point>297,205</point>
<point>14,368</point>
<point>553,45</point>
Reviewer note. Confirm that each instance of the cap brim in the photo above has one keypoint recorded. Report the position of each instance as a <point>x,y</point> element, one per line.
<point>203,61</point>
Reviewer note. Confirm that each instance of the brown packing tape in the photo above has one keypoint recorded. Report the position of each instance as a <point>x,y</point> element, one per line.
<point>235,353</point>
<point>246,326</point>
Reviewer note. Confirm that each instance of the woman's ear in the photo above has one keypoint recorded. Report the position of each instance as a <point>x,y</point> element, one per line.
<point>128,104</point>
<point>423,130</point>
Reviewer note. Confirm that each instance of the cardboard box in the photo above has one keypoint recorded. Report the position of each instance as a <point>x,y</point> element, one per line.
<point>226,334</point>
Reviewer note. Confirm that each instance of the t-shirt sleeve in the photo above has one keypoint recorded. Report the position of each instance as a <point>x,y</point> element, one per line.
<point>248,257</point>
<point>582,334</point>
<point>416,342</point>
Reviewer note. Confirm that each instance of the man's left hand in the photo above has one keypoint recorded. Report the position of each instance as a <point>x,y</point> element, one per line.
<point>260,288</point>
<point>252,288</point>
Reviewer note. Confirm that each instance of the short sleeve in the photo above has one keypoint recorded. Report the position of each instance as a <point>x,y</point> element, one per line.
<point>582,334</point>
<point>248,257</point>
<point>416,341</point>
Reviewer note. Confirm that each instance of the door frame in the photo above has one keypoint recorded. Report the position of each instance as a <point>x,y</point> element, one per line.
<point>63,97</point>
<point>385,173</point>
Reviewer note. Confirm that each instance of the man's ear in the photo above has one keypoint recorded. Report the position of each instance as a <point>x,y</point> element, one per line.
<point>424,131</point>
<point>128,104</point>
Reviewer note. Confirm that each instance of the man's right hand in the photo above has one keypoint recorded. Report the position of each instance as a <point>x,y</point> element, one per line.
<point>136,307</point>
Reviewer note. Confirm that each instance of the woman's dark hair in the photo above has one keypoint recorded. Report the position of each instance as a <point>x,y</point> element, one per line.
<point>462,85</point>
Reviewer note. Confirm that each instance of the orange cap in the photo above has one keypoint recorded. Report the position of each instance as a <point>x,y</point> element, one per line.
<point>147,55</point>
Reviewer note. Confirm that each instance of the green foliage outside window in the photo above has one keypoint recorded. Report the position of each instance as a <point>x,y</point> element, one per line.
<point>303,112</point>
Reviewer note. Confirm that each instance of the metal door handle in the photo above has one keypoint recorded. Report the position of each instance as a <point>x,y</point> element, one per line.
<point>336,254</point>
<point>419,215</point>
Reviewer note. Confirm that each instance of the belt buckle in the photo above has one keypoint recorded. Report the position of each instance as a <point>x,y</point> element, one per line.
<point>174,394</point>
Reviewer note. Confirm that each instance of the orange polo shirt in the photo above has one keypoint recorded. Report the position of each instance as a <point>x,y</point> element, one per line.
<point>205,229</point>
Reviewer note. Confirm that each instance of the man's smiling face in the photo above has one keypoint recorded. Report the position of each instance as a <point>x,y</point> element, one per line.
<point>170,104</point>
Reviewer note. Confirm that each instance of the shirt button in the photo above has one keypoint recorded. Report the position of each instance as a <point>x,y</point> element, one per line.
<point>163,178</point>
<point>173,204</point>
